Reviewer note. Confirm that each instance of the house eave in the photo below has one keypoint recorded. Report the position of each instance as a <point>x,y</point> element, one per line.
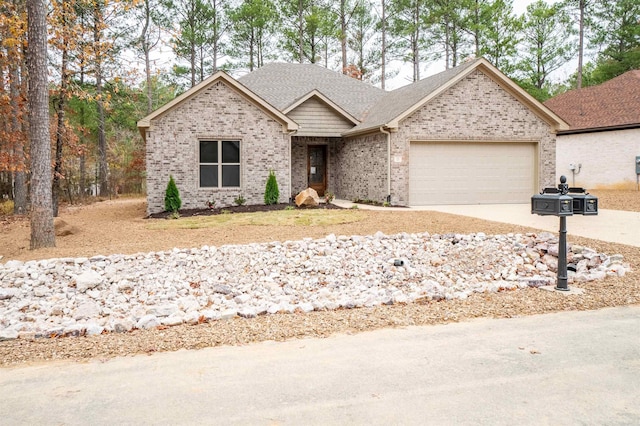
<point>288,125</point>
<point>600,129</point>
<point>369,130</point>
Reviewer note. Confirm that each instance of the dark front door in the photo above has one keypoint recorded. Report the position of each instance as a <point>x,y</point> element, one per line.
<point>317,168</point>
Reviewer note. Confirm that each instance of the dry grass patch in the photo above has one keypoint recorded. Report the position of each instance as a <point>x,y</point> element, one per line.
<point>318,217</point>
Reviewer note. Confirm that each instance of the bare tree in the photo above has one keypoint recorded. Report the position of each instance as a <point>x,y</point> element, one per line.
<point>42,230</point>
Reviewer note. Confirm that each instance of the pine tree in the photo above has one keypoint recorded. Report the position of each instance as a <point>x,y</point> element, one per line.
<point>271,192</point>
<point>42,230</point>
<point>172,201</point>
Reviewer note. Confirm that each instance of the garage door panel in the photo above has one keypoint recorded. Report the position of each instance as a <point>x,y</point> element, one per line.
<point>471,173</point>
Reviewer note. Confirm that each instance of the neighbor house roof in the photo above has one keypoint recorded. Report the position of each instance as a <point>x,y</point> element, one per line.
<point>397,105</point>
<point>282,85</point>
<point>287,123</point>
<point>613,104</point>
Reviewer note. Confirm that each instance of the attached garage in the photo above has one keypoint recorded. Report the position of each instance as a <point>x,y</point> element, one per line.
<point>472,172</point>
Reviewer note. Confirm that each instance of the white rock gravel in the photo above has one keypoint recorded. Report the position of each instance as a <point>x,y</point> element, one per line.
<point>117,293</point>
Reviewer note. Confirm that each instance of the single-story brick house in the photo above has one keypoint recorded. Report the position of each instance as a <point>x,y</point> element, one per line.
<point>464,136</point>
<point>602,145</point>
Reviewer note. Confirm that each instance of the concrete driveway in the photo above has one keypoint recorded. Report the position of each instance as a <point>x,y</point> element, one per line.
<point>615,226</point>
<point>565,368</point>
<point>609,225</point>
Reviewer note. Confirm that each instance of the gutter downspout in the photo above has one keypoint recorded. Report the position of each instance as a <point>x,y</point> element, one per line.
<point>289,134</point>
<point>382,130</point>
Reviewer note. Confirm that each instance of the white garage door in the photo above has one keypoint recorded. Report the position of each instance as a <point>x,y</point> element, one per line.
<point>471,173</point>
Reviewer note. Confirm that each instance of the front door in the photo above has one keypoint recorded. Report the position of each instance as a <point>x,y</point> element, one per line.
<point>317,168</point>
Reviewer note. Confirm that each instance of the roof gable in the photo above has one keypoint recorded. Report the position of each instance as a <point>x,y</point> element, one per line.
<point>287,123</point>
<point>612,104</point>
<point>316,94</point>
<point>397,105</point>
<point>318,116</point>
<point>283,85</point>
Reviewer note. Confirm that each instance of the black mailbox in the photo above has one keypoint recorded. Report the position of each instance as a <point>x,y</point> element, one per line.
<point>583,202</point>
<point>551,205</point>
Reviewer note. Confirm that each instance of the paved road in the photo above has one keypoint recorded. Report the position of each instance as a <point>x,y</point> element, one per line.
<point>565,368</point>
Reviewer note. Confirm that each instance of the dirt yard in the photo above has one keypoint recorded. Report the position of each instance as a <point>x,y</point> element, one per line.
<point>119,226</point>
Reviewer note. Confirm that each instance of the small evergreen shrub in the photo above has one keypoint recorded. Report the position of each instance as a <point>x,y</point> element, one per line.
<point>271,192</point>
<point>172,201</point>
<point>239,200</point>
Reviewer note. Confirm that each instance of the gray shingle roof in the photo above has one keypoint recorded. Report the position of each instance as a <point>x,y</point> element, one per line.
<point>396,102</point>
<point>282,84</point>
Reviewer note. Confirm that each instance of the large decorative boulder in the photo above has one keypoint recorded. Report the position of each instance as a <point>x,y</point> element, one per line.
<point>308,197</point>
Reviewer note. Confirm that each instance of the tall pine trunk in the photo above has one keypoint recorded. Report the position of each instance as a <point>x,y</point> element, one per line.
<point>103,167</point>
<point>580,46</point>
<point>20,176</point>
<point>42,230</point>
<point>60,106</point>
<point>383,47</point>
<point>146,47</point>
<point>343,35</point>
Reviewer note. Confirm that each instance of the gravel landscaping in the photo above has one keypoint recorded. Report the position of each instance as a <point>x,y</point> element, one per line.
<point>80,296</point>
<point>315,286</point>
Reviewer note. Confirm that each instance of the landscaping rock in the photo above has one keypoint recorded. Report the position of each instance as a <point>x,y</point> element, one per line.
<point>88,280</point>
<point>308,197</point>
<point>188,286</point>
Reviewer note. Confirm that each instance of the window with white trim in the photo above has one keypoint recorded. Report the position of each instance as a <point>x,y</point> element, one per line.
<point>219,164</point>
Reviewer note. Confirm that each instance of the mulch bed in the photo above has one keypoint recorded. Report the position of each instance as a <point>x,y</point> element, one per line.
<point>242,209</point>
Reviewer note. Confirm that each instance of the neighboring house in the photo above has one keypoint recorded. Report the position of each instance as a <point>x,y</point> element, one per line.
<point>464,136</point>
<point>602,146</point>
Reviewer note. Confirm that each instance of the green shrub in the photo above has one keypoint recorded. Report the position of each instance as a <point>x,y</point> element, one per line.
<point>239,200</point>
<point>6,208</point>
<point>329,197</point>
<point>172,201</point>
<point>271,192</point>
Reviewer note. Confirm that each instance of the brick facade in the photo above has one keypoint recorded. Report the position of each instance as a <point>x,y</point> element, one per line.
<point>216,112</point>
<point>299,162</point>
<point>475,109</point>
<point>362,168</point>
<point>607,158</point>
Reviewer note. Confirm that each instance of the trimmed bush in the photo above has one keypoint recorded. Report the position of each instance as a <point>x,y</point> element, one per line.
<point>172,201</point>
<point>271,192</point>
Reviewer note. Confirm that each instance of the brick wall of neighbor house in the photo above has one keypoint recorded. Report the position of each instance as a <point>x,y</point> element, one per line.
<point>299,161</point>
<point>607,158</point>
<point>477,109</point>
<point>215,112</point>
<point>361,163</point>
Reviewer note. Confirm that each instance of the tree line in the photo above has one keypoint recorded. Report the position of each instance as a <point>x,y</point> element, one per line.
<point>103,73</point>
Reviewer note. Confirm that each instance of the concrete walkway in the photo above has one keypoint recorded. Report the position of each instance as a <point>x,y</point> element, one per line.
<point>565,368</point>
<point>609,225</point>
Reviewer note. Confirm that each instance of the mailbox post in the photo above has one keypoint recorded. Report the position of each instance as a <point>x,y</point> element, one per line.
<point>563,202</point>
<point>561,283</point>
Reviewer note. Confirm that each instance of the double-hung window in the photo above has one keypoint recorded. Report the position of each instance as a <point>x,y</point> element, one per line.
<point>219,164</point>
